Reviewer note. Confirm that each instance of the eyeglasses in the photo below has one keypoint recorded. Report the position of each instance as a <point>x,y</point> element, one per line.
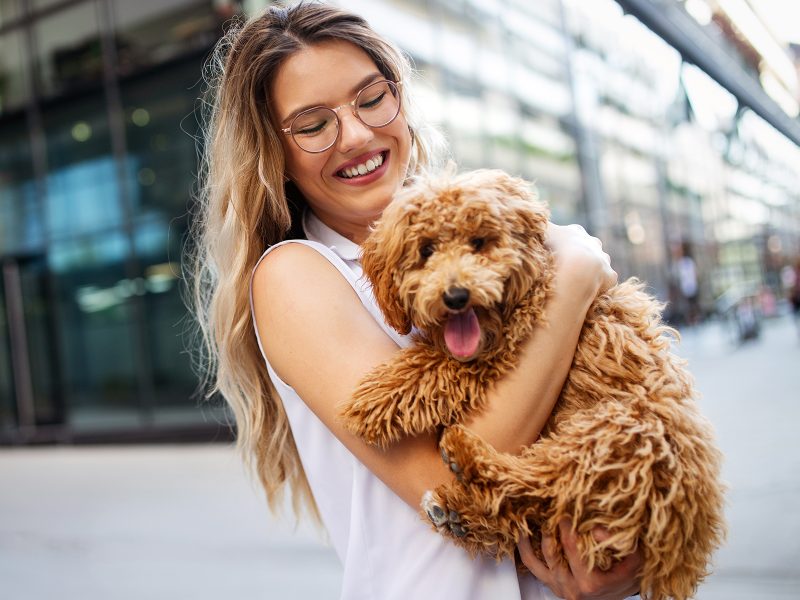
<point>317,129</point>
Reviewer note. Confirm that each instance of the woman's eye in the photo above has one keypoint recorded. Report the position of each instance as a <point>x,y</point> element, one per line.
<point>477,243</point>
<point>310,130</point>
<point>373,102</point>
<point>426,250</point>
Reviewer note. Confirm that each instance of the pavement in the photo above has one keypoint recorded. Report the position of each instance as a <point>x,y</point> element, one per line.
<point>184,521</point>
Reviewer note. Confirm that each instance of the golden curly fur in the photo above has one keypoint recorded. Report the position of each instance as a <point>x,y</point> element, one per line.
<point>462,259</point>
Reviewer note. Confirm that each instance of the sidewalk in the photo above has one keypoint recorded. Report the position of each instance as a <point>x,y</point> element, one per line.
<point>174,522</point>
<point>751,393</point>
<point>148,523</point>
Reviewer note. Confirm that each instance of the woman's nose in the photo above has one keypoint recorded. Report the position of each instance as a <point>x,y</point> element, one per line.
<point>354,134</point>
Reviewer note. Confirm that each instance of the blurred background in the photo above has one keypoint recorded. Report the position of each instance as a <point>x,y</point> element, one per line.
<point>668,128</point>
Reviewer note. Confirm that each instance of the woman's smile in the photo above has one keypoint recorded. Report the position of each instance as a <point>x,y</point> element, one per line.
<point>364,169</point>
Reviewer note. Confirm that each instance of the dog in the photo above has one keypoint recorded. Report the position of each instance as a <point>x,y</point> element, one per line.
<point>462,261</point>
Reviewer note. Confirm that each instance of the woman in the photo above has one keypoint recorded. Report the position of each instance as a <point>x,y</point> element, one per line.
<point>310,135</point>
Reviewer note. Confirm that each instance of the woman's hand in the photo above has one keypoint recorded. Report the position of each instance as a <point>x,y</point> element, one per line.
<point>580,257</point>
<point>574,581</point>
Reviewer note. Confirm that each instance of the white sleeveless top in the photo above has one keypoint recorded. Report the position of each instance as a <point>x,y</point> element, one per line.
<point>387,550</point>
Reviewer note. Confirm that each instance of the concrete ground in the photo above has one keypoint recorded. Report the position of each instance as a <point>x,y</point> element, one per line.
<point>174,522</point>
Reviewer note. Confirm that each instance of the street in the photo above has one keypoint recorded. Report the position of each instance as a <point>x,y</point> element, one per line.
<point>183,521</point>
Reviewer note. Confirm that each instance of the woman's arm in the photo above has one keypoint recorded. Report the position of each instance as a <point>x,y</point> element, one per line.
<point>322,341</point>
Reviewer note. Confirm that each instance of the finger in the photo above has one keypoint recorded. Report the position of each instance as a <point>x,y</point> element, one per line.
<point>530,560</point>
<point>549,551</point>
<point>569,540</point>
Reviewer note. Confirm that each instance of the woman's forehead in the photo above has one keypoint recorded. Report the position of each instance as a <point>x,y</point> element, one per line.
<point>326,73</point>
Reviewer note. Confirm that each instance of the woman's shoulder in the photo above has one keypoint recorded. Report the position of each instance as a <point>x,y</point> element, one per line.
<point>291,269</point>
<point>305,311</point>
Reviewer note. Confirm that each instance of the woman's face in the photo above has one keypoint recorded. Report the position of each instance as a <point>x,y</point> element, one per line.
<point>330,74</point>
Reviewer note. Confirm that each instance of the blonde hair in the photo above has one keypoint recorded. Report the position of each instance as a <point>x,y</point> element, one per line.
<point>243,207</point>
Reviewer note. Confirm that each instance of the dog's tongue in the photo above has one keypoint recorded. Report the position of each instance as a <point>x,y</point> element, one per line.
<point>462,334</point>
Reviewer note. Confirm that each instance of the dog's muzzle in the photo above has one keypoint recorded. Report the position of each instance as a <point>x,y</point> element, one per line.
<point>456,298</point>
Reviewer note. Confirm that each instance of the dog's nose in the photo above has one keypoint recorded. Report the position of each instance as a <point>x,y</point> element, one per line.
<point>456,298</point>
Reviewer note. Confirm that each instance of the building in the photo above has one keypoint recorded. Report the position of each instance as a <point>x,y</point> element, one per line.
<point>97,160</point>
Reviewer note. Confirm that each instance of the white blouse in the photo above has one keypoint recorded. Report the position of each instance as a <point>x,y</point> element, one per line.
<point>388,552</point>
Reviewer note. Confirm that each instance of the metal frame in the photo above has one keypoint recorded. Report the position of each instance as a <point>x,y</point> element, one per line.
<point>669,21</point>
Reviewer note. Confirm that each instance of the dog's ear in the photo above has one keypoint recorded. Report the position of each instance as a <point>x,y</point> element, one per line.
<point>527,219</point>
<point>529,215</point>
<point>381,258</point>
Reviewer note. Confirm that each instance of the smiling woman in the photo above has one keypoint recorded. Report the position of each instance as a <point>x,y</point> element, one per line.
<point>346,187</point>
<point>310,136</point>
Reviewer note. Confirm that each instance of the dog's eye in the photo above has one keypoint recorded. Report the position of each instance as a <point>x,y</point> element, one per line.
<point>477,243</point>
<point>426,250</point>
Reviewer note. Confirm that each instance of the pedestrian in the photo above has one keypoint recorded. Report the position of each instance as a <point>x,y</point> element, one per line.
<point>311,132</point>
<point>791,278</point>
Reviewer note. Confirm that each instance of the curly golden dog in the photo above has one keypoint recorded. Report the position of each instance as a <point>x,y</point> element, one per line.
<point>462,260</point>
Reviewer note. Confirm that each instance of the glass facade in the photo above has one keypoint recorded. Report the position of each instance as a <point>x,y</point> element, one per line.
<point>97,160</point>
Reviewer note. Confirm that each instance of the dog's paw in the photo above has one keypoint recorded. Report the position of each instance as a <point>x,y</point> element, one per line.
<point>472,460</point>
<point>447,522</point>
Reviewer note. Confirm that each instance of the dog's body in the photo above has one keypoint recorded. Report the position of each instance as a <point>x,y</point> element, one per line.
<point>463,260</point>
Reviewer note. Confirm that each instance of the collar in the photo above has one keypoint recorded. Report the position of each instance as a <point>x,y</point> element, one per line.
<point>317,231</point>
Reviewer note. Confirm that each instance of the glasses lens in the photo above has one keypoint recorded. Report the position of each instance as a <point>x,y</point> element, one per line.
<point>315,130</point>
<point>378,104</point>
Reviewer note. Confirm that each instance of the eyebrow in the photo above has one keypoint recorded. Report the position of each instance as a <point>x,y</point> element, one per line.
<point>354,90</point>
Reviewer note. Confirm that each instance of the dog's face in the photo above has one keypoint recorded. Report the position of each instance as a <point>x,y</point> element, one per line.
<point>451,255</point>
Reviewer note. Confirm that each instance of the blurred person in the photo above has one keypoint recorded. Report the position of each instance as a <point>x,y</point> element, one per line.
<point>686,273</point>
<point>790,278</point>
<point>310,133</point>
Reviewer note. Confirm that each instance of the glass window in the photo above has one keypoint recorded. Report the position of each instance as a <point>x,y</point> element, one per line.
<point>13,85</point>
<point>153,31</point>
<point>20,218</point>
<point>9,10</point>
<point>33,284</point>
<point>7,398</point>
<point>96,329</point>
<point>82,191</point>
<point>160,129</point>
<point>40,4</point>
<point>68,50</point>
<point>158,246</point>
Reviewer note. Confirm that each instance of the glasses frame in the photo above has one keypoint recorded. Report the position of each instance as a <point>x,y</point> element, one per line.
<point>353,108</point>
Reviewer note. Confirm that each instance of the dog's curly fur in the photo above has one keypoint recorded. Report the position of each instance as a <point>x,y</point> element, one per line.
<point>625,447</point>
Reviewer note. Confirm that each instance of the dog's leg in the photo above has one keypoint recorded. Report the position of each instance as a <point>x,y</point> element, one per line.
<point>415,392</point>
<point>494,500</point>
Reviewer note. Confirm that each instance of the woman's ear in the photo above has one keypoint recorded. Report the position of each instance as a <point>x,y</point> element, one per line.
<point>381,258</point>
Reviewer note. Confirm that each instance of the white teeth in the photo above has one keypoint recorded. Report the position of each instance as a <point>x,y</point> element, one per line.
<point>364,168</point>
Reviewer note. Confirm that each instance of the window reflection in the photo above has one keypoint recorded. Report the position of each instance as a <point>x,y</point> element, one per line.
<point>13,82</point>
<point>20,217</point>
<point>154,31</point>
<point>9,10</point>
<point>96,329</point>
<point>7,397</point>
<point>82,186</point>
<point>68,50</point>
<point>160,130</point>
<point>159,247</point>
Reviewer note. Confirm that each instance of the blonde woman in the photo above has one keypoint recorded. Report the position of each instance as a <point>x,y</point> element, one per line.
<point>309,136</point>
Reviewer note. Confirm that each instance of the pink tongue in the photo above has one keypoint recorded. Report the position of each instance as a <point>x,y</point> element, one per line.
<point>462,334</point>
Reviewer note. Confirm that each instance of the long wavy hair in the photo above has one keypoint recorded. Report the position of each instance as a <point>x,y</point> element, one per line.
<point>245,205</point>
